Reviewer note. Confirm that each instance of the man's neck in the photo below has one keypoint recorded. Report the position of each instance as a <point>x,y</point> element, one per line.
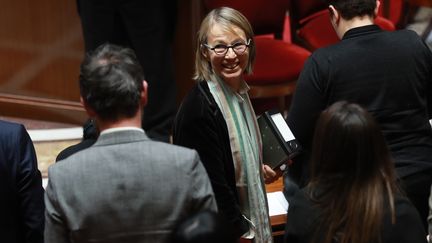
<point>123,122</point>
<point>346,25</point>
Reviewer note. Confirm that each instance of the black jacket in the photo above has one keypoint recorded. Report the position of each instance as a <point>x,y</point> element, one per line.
<point>200,125</point>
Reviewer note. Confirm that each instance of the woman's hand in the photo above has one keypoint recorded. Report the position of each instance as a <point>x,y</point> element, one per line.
<point>269,174</point>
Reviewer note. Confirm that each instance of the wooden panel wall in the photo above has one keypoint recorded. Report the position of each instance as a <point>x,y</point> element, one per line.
<point>41,47</point>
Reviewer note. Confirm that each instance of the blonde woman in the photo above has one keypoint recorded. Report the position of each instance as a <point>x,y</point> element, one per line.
<point>216,118</point>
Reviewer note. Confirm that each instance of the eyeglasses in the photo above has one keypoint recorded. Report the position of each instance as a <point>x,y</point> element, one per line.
<point>220,49</point>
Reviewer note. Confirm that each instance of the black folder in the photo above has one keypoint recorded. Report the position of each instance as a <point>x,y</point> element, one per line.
<point>279,144</point>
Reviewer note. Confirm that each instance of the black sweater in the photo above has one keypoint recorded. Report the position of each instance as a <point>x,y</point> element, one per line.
<point>389,74</point>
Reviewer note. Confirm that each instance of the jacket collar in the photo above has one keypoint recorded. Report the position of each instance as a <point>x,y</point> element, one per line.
<point>205,91</point>
<point>361,31</point>
<point>123,136</point>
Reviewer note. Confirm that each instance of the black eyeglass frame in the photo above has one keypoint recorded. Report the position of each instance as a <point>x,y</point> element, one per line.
<point>226,47</point>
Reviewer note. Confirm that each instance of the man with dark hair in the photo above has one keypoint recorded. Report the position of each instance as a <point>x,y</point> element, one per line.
<point>388,73</point>
<point>122,189</point>
<point>21,192</point>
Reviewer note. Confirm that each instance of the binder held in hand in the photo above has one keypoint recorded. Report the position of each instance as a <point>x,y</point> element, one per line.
<point>279,143</point>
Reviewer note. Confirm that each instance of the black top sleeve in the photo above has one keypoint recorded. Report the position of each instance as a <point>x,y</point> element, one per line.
<point>307,103</point>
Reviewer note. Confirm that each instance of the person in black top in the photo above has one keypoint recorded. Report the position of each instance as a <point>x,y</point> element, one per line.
<point>388,73</point>
<point>352,196</point>
<point>148,28</point>
<point>90,135</point>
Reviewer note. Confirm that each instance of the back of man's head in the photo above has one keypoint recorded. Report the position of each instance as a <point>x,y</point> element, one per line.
<point>350,9</point>
<point>111,81</point>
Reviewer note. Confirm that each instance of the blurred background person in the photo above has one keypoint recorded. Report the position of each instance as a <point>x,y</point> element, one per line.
<point>148,28</point>
<point>90,135</point>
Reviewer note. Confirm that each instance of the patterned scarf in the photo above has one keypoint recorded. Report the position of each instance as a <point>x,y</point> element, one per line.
<point>245,142</point>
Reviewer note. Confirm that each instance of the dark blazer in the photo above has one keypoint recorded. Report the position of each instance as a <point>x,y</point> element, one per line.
<point>125,188</point>
<point>200,125</point>
<point>21,192</point>
<point>86,143</point>
<point>304,217</point>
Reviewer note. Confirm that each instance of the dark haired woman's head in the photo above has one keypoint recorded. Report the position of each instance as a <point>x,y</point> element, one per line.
<point>352,175</point>
<point>349,146</point>
<point>111,81</point>
<point>354,8</point>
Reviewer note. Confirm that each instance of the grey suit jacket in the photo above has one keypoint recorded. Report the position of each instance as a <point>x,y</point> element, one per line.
<point>125,188</point>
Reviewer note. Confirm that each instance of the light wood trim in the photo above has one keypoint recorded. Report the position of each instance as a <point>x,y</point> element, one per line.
<point>42,102</point>
<point>38,108</point>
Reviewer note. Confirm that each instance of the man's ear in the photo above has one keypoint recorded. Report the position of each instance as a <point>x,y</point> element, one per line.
<point>144,93</point>
<point>378,4</point>
<point>87,108</point>
<point>334,15</point>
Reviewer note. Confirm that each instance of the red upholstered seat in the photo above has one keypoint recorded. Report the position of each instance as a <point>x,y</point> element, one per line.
<point>311,24</point>
<point>316,30</point>
<point>393,10</point>
<point>278,63</point>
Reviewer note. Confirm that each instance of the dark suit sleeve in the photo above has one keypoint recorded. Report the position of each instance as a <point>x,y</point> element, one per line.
<point>55,227</point>
<point>29,187</point>
<point>196,128</point>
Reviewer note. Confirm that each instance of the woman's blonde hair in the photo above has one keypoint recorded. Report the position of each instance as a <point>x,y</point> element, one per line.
<point>227,18</point>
